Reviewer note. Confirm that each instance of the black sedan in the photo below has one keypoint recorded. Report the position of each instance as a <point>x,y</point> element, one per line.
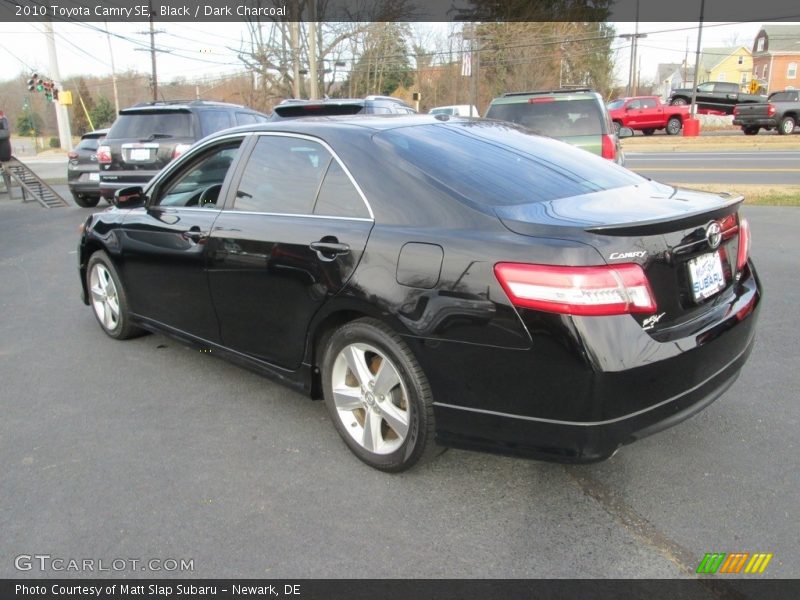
<point>83,171</point>
<point>437,280</point>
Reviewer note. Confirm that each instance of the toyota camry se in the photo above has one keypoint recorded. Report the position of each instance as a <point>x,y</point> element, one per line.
<point>438,281</point>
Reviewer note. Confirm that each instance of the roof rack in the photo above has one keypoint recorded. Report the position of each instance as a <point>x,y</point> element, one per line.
<point>176,102</point>
<point>558,91</point>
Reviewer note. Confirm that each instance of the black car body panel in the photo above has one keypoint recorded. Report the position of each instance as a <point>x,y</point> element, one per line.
<point>371,105</point>
<point>422,260</point>
<point>718,96</point>
<point>5,138</point>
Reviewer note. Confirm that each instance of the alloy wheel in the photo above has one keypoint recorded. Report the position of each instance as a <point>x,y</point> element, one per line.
<point>371,399</point>
<point>105,300</point>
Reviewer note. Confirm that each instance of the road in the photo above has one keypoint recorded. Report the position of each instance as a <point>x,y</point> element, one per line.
<point>149,449</point>
<point>751,167</point>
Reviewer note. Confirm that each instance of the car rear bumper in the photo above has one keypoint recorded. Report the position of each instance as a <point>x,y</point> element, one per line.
<point>550,403</point>
<point>753,122</point>
<point>109,184</point>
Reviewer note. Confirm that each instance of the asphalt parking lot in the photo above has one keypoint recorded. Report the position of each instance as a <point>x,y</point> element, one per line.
<point>147,449</point>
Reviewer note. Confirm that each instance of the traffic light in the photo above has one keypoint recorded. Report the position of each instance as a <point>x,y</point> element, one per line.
<point>32,83</point>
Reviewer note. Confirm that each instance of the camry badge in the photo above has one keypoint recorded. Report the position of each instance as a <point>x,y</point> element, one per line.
<point>713,235</point>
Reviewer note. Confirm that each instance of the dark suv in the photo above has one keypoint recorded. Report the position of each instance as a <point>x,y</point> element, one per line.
<point>371,105</point>
<point>576,116</point>
<point>5,138</point>
<point>146,137</point>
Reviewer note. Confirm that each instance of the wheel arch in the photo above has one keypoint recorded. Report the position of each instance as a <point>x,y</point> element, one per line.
<point>335,315</point>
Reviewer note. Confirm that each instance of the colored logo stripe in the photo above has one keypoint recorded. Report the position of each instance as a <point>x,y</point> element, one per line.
<point>734,562</point>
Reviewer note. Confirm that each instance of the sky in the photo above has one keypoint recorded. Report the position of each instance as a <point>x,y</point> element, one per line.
<point>208,50</point>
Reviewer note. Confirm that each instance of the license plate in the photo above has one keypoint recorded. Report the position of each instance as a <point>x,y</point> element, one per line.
<point>94,176</point>
<point>706,275</point>
<point>140,154</point>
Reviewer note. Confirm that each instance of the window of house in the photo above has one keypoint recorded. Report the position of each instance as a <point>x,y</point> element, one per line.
<point>764,71</point>
<point>760,45</point>
<point>744,78</point>
<point>791,71</point>
<point>722,76</point>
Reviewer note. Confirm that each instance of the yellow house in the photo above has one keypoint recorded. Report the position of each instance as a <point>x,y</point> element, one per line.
<point>726,64</point>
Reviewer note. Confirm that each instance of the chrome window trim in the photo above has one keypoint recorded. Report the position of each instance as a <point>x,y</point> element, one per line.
<point>327,146</point>
<point>272,214</point>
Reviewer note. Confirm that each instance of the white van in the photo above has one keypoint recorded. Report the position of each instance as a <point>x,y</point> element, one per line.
<point>457,110</point>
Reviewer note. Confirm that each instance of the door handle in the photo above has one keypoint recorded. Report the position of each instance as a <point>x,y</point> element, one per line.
<point>328,251</point>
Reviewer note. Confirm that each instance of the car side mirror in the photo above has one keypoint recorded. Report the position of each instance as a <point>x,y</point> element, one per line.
<point>625,132</point>
<point>129,197</point>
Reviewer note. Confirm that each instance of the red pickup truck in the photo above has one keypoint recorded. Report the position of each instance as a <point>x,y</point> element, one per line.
<point>647,113</point>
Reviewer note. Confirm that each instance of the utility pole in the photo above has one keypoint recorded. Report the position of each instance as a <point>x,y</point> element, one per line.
<point>62,116</point>
<point>312,51</point>
<point>294,36</point>
<point>113,70</point>
<point>633,37</point>
<point>153,56</point>
<point>693,109</point>
<point>475,49</point>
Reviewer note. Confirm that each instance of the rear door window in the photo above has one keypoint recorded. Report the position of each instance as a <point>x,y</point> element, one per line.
<point>338,197</point>
<point>282,175</point>
<point>214,120</point>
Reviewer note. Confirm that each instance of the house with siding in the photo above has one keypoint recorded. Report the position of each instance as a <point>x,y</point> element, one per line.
<point>732,64</point>
<point>776,57</point>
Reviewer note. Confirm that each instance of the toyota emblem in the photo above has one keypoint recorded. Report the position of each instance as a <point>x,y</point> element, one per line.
<point>713,235</point>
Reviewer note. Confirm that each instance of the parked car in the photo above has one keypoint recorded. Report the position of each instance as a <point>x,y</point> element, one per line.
<point>647,114</point>
<point>83,172</point>
<point>539,301</point>
<point>146,137</point>
<point>458,110</point>
<point>781,111</point>
<point>5,138</point>
<point>715,96</point>
<point>576,116</point>
<point>371,105</point>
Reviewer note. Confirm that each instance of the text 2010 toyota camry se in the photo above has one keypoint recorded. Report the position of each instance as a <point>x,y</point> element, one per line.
<point>437,280</point>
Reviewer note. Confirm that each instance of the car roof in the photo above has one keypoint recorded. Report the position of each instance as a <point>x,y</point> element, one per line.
<point>558,94</point>
<point>316,125</point>
<point>180,105</point>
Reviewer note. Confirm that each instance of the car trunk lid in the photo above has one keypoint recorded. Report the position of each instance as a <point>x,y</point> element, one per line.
<point>686,241</point>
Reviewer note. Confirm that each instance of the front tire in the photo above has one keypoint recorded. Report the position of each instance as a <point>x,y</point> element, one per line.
<point>787,126</point>
<point>674,126</point>
<point>617,127</point>
<point>108,299</point>
<point>378,396</point>
<point>648,131</point>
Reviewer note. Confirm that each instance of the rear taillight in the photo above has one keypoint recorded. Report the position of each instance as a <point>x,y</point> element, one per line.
<point>735,110</point>
<point>104,155</point>
<point>72,155</point>
<point>609,148</point>
<point>593,291</point>
<point>771,110</point>
<point>180,149</point>
<point>744,244</point>
<point>541,100</point>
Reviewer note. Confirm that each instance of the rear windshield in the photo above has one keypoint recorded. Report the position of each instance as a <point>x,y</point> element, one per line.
<point>88,144</point>
<point>495,164</point>
<point>152,124</point>
<point>783,97</point>
<point>317,110</point>
<point>559,118</point>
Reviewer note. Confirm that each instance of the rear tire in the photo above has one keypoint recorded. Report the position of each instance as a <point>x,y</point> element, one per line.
<point>85,201</point>
<point>648,131</point>
<point>679,101</point>
<point>617,127</point>
<point>108,299</point>
<point>378,396</point>
<point>674,126</point>
<point>787,126</point>
<point>751,130</point>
